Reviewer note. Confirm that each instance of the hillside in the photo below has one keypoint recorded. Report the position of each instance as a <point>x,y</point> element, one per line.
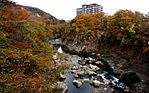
<point>26,63</point>
<point>40,15</point>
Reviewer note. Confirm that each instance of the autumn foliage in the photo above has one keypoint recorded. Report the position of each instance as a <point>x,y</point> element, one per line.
<point>26,63</point>
<point>14,13</point>
<point>124,24</point>
<point>86,26</point>
<point>124,31</point>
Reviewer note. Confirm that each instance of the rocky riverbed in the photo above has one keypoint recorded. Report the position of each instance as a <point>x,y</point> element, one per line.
<point>96,75</point>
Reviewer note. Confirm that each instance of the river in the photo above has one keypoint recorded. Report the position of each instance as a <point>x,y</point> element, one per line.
<point>92,79</point>
<point>92,74</point>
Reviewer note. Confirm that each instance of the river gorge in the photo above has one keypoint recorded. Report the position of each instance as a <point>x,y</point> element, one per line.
<point>93,74</point>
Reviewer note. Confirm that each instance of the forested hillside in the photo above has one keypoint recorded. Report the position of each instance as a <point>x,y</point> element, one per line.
<point>26,63</point>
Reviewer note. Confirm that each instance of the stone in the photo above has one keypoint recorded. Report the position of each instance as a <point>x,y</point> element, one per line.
<point>105,89</point>
<point>129,78</point>
<point>98,55</point>
<point>86,80</point>
<point>73,71</point>
<point>80,73</point>
<point>82,62</point>
<point>93,54</point>
<point>119,65</point>
<point>59,86</point>
<point>84,67</point>
<point>91,59</point>
<point>106,81</point>
<point>63,86</point>
<point>62,76</point>
<point>99,63</point>
<point>77,83</point>
<point>93,67</point>
<point>117,71</point>
<point>74,68</point>
<point>90,73</point>
<point>97,83</point>
<point>126,89</point>
<point>75,75</point>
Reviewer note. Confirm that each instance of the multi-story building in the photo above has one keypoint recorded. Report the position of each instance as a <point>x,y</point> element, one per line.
<point>89,9</point>
<point>146,15</point>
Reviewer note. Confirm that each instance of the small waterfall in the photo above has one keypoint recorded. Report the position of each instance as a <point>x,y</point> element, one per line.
<point>117,83</point>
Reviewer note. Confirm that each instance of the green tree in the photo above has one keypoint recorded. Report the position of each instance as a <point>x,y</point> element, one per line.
<point>125,21</point>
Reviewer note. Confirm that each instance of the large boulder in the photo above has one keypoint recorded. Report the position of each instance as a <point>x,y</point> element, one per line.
<point>97,83</point>
<point>78,83</point>
<point>86,80</point>
<point>130,78</point>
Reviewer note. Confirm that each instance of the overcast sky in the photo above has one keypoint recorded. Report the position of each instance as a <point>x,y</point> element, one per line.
<point>66,9</point>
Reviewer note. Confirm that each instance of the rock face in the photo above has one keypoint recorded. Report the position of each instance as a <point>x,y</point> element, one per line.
<point>129,78</point>
<point>78,45</point>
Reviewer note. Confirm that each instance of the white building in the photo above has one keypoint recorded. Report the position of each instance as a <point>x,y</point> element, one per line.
<point>89,9</point>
